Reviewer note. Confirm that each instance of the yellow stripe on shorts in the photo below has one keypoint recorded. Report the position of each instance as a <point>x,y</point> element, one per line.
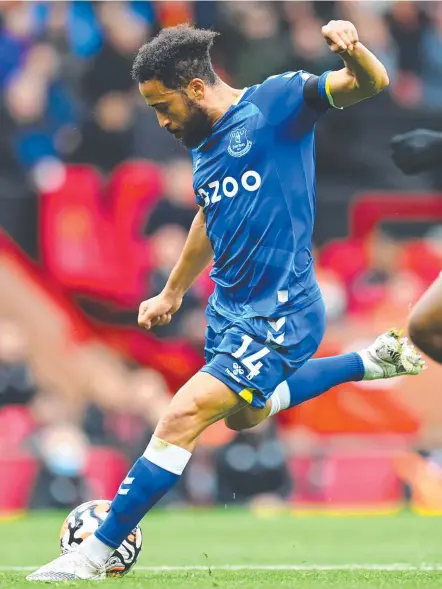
<point>247,394</point>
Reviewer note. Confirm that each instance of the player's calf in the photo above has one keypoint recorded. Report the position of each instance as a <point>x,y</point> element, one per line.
<point>201,402</point>
<point>248,417</point>
<point>389,356</point>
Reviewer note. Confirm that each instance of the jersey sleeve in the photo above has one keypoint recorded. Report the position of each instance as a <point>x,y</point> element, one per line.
<point>283,97</point>
<point>200,200</point>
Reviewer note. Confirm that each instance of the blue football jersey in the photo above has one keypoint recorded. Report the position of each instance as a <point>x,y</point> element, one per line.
<point>254,176</point>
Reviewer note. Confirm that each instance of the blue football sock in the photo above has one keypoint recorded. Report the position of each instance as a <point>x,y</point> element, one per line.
<point>321,374</point>
<point>143,487</point>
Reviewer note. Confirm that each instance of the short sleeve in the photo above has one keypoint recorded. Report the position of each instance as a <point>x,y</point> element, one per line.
<point>196,158</point>
<point>200,200</point>
<point>281,98</point>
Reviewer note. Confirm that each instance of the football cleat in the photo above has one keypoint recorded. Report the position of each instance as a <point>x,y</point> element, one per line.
<point>391,355</point>
<point>71,566</point>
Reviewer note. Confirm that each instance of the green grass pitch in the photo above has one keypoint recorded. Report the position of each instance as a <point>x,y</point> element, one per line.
<point>230,548</point>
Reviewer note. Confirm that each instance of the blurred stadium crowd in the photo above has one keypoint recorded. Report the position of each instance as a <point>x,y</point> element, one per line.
<point>67,92</point>
<point>67,99</point>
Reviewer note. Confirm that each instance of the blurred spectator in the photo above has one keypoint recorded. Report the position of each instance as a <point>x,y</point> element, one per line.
<point>38,105</point>
<point>170,14</point>
<point>369,288</point>
<point>307,50</point>
<point>408,24</point>
<point>193,326</point>
<point>15,23</point>
<point>333,292</point>
<point>17,385</point>
<point>178,206</point>
<point>384,280</point>
<point>167,244</point>
<point>253,464</point>
<point>62,452</point>
<point>109,70</point>
<point>106,138</point>
<point>432,59</point>
<point>261,51</point>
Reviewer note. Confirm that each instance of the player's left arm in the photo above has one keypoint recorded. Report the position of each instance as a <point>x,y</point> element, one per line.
<point>363,75</point>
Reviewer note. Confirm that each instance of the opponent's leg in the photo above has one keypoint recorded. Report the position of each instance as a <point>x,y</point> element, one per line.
<point>425,326</point>
<point>389,356</point>
<point>201,402</point>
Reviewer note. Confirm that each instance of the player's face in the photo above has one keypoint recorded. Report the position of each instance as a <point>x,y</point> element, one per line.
<point>178,111</point>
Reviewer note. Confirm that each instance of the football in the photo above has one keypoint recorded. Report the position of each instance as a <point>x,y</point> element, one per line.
<point>84,520</point>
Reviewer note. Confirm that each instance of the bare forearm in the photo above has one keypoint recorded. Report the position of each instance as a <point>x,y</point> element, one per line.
<point>368,73</point>
<point>363,75</point>
<point>196,256</point>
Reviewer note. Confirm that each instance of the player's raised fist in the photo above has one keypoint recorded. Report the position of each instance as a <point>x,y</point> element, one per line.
<point>158,310</point>
<point>340,35</point>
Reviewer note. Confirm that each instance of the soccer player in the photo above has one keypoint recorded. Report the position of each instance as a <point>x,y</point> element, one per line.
<point>254,178</point>
<point>418,151</point>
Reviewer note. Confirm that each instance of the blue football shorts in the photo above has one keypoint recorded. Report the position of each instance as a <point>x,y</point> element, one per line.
<point>253,356</point>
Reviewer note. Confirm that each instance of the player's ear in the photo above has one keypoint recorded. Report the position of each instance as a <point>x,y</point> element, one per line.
<point>196,89</point>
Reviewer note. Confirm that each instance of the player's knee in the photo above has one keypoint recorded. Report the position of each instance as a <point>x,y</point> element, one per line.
<point>244,419</point>
<point>234,423</point>
<point>180,422</point>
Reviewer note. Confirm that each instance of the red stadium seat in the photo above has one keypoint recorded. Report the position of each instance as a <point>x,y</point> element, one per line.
<point>104,471</point>
<point>76,234</point>
<point>346,257</point>
<point>92,240</point>
<point>347,479</point>
<point>16,424</point>
<point>18,471</point>
<point>419,257</point>
<point>134,188</point>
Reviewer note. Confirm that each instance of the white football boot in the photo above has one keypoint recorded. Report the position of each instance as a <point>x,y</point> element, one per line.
<point>391,355</point>
<point>71,566</point>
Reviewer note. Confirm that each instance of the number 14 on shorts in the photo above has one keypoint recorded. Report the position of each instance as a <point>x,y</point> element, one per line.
<point>252,362</point>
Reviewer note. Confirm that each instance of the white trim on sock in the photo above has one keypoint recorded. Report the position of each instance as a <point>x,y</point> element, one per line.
<point>275,405</point>
<point>167,456</point>
<point>372,370</point>
<point>280,398</point>
<point>96,551</point>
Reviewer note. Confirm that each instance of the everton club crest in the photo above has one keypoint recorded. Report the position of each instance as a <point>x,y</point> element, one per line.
<point>239,143</point>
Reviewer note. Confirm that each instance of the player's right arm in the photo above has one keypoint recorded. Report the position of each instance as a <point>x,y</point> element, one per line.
<point>195,257</point>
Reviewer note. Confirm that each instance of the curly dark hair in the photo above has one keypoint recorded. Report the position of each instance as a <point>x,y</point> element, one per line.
<point>176,56</point>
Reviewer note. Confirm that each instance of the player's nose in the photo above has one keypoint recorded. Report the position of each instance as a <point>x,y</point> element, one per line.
<point>164,122</point>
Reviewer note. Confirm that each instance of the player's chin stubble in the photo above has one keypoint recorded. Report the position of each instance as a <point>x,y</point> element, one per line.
<point>197,127</point>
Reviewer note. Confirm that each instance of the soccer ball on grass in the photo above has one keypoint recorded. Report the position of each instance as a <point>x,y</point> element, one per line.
<point>84,520</point>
